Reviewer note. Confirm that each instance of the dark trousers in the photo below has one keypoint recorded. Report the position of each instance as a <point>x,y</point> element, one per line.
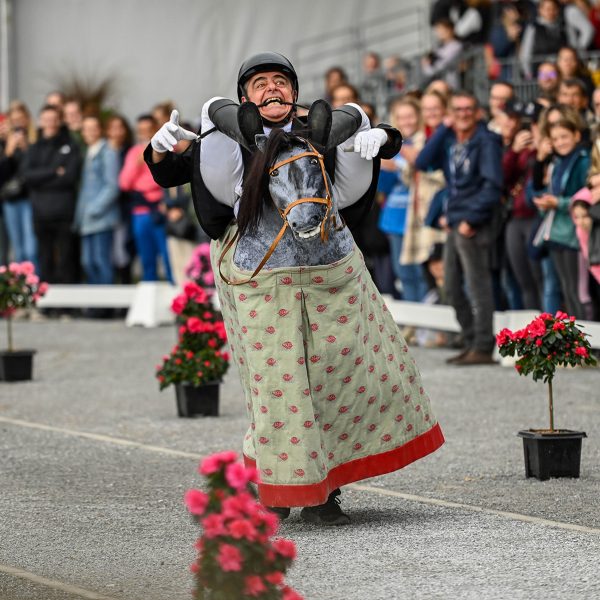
<point>566,263</point>
<point>527,272</point>
<point>467,265</point>
<point>56,251</point>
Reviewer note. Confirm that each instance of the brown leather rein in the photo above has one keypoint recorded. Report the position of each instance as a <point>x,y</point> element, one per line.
<point>328,219</point>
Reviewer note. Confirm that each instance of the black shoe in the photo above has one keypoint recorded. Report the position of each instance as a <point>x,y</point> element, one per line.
<point>281,511</point>
<point>329,513</point>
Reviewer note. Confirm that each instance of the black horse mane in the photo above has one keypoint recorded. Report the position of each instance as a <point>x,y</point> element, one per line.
<point>256,180</point>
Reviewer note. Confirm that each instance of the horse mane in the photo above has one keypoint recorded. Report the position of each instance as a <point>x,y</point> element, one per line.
<point>256,180</point>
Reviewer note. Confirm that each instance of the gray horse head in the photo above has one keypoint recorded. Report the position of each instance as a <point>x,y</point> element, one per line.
<point>301,178</point>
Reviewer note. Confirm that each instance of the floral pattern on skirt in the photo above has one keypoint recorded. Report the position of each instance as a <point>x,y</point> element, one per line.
<point>332,392</point>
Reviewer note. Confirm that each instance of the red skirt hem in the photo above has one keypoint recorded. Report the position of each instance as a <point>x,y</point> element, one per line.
<point>354,470</point>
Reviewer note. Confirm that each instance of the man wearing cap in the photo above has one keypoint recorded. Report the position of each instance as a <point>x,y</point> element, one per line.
<point>268,91</point>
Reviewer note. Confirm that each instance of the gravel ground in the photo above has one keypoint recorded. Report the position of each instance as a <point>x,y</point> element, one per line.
<point>109,519</point>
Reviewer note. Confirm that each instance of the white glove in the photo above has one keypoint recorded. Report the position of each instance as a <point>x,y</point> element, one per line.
<point>369,142</point>
<point>169,134</point>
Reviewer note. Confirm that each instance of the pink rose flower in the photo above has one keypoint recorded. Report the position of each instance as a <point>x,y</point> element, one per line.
<point>27,268</point>
<point>285,548</point>
<point>196,502</point>
<point>178,304</point>
<point>211,464</point>
<point>242,529</point>
<point>276,578</point>
<point>537,327</point>
<point>229,558</point>
<point>254,585</point>
<point>195,325</point>
<point>214,526</point>
<point>581,351</point>
<point>290,594</point>
<point>238,477</point>
<point>503,337</point>
<point>191,289</point>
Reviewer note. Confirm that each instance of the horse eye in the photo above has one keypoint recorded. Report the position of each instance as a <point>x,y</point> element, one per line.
<point>314,161</point>
<point>274,173</point>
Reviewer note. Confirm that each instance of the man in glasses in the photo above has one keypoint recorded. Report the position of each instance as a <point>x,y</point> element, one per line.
<point>471,157</point>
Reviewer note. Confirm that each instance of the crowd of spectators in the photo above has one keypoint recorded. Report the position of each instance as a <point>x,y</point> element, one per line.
<point>489,205</point>
<point>492,203</point>
<point>79,202</point>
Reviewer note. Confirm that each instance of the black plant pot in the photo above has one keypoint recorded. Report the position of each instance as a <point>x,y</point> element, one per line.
<point>197,400</point>
<point>17,365</point>
<point>552,454</point>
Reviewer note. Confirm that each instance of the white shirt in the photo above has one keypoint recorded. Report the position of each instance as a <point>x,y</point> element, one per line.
<point>222,167</point>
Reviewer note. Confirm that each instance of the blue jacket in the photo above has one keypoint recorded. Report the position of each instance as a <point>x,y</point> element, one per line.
<point>97,205</point>
<point>475,183</point>
<point>392,218</point>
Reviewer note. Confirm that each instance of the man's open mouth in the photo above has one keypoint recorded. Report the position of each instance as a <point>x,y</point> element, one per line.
<point>272,101</point>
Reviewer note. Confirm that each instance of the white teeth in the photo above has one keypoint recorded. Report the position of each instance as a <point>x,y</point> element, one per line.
<point>309,234</point>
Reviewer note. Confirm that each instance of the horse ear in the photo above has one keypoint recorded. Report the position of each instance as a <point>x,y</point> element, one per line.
<point>249,122</point>
<point>319,123</point>
<point>260,139</point>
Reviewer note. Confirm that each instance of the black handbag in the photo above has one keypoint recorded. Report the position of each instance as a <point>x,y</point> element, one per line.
<point>13,189</point>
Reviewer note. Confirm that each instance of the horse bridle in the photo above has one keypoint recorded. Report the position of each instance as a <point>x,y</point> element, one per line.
<point>326,223</point>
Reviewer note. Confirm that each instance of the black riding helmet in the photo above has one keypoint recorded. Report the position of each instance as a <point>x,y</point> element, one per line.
<point>262,63</point>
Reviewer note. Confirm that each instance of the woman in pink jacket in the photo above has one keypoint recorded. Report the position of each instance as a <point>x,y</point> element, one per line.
<point>148,212</point>
<point>586,216</point>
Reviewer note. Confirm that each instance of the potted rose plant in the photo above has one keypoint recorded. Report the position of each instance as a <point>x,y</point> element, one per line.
<point>197,362</point>
<point>199,269</point>
<point>238,558</point>
<point>546,343</point>
<point>194,301</point>
<point>20,288</point>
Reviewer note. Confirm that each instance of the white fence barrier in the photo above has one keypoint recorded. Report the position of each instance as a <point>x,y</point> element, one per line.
<point>148,302</point>
<point>149,305</point>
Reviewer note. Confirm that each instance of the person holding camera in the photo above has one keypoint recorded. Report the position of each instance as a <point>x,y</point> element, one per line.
<point>16,206</point>
<point>520,133</point>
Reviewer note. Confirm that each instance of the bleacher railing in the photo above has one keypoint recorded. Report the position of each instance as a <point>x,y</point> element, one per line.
<point>404,33</point>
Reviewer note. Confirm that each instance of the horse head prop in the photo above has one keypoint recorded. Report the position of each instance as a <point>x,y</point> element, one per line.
<point>287,197</point>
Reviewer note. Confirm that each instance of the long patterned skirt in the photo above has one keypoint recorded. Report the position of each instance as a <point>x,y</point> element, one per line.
<point>332,392</point>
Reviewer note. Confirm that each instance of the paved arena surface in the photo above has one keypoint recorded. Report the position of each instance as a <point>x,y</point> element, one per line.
<point>94,463</point>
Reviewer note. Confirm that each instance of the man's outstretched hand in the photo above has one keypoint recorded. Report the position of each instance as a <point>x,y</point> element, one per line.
<point>369,142</point>
<point>169,134</point>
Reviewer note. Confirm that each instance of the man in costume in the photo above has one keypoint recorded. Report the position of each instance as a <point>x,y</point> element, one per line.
<point>325,409</point>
